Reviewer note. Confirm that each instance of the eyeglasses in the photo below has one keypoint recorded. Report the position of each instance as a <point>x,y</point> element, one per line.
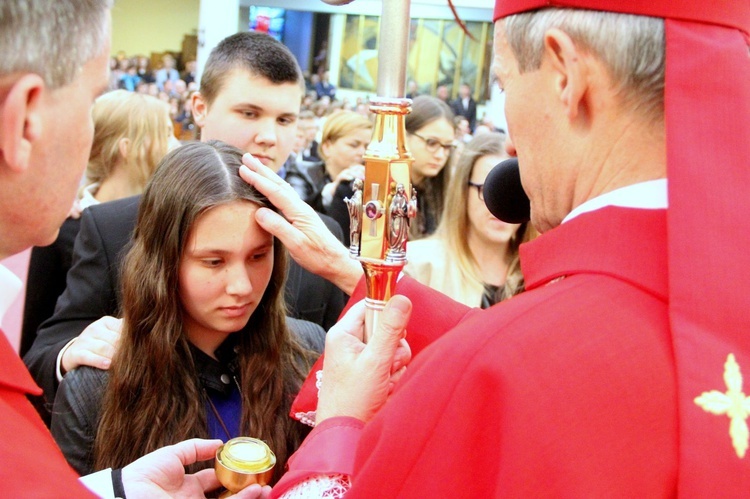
<point>432,145</point>
<point>480,189</point>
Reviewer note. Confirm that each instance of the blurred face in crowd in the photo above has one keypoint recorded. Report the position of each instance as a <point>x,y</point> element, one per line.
<point>482,224</point>
<point>224,271</point>
<point>253,114</point>
<point>463,128</point>
<point>168,62</point>
<point>309,128</point>
<point>348,150</point>
<point>299,142</point>
<point>427,147</point>
<point>363,109</point>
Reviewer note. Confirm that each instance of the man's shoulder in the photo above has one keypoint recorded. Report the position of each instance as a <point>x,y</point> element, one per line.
<point>113,221</point>
<point>120,207</point>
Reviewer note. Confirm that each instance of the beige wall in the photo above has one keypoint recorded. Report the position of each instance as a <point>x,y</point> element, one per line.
<point>145,26</point>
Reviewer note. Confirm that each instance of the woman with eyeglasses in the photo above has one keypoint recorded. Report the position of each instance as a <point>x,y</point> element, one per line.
<point>473,256</point>
<point>430,138</point>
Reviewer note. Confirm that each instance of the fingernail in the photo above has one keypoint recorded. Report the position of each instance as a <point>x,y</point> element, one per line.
<point>249,158</point>
<point>261,214</point>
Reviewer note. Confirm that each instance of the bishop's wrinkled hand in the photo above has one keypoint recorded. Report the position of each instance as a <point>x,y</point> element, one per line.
<point>359,377</point>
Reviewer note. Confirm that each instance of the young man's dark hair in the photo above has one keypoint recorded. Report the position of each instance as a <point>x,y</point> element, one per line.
<point>258,53</point>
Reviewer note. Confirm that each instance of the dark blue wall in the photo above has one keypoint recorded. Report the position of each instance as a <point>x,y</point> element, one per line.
<point>298,31</point>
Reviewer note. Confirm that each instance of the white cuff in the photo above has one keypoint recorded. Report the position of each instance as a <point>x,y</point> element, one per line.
<point>100,483</point>
<point>58,362</point>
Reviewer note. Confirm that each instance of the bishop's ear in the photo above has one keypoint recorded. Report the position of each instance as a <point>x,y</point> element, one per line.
<point>21,120</point>
<point>570,68</point>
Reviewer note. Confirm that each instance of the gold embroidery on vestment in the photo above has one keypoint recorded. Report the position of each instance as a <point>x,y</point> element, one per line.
<point>733,403</point>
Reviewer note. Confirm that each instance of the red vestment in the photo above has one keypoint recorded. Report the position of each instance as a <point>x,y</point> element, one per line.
<point>31,465</point>
<point>567,389</point>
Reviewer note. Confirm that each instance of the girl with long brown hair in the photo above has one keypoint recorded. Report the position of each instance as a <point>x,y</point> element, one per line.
<point>431,140</point>
<point>206,349</point>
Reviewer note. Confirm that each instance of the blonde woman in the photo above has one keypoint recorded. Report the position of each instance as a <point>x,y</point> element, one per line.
<point>346,135</point>
<point>132,133</point>
<point>473,256</point>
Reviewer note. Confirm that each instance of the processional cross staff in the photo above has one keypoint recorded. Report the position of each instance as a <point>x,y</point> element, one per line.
<point>383,198</point>
<point>387,165</point>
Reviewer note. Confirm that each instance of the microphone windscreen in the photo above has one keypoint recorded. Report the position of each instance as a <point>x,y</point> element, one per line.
<point>504,194</point>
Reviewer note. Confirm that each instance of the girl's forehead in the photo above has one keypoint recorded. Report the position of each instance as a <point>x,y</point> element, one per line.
<point>227,221</point>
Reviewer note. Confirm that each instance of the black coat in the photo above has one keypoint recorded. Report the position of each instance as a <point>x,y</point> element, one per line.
<point>78,402</point>
<point>93,283</point>
<point>45,282</point>
<point>470,112</point>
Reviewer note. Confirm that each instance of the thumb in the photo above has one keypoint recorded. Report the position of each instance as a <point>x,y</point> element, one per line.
<point>274,223</point>
<point>195,449</point>
<point>386,338</point>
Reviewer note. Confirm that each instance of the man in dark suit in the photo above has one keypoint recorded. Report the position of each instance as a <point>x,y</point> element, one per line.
<point>466,106</point>
<point>250,97</point>
<point>309,128</point>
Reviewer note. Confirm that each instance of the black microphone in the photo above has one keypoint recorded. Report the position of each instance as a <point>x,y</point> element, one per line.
<point>504,194</point>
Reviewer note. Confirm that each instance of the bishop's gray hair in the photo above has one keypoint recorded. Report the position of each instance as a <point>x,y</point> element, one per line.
<point>631,48</point>
<point>51,38</point>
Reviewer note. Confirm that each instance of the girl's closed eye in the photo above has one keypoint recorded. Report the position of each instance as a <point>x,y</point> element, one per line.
<point>261,256</point>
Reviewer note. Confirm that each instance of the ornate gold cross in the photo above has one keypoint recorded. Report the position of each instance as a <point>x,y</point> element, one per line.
<point>734,403</point>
